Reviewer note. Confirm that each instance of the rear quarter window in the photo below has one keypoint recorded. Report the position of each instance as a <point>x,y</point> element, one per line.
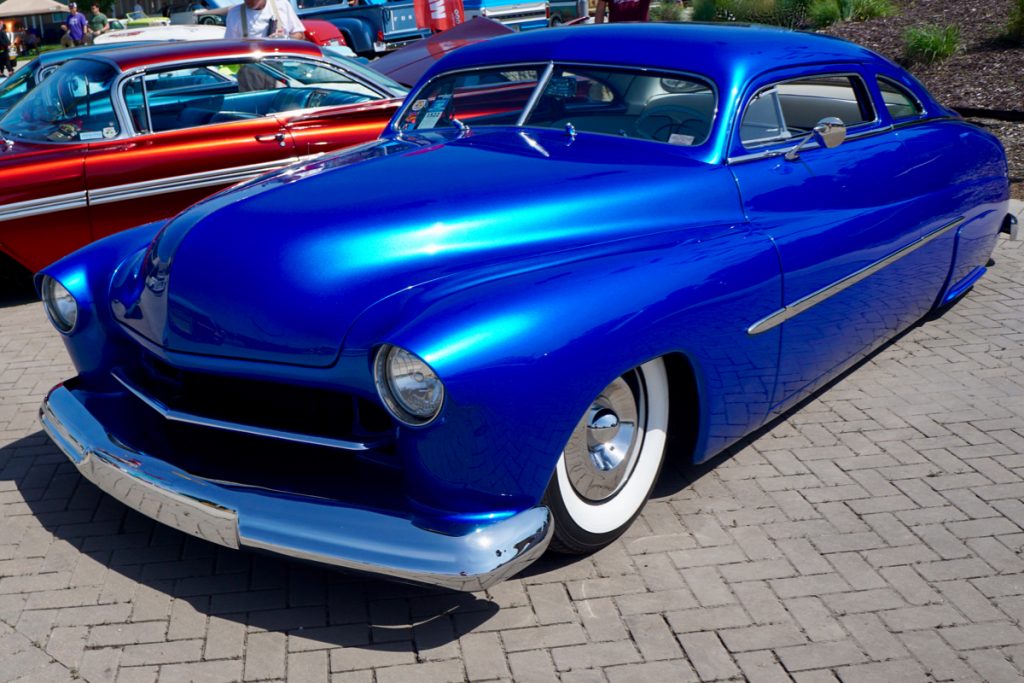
<point>898,101</point>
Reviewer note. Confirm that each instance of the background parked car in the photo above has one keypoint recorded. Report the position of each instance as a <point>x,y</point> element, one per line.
<point>119,137</point>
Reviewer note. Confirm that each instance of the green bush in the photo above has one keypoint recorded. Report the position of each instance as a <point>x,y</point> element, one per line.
<point>1015,29</point>
<point>667,10</point>
<point>928,44</point>
<point>704,10</point>
<point>824,13</point>
<point>862,10</point>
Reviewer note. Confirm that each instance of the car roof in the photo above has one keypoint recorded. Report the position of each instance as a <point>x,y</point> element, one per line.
<point>720,51</point>
<point>59,56</point>
<point>146,54</point>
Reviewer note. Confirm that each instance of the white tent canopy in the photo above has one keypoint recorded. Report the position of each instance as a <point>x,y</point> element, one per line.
<point>25,8</point>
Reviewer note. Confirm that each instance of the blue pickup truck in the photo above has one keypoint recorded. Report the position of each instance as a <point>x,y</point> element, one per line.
<point>372,27</point>
<point>520,15</point>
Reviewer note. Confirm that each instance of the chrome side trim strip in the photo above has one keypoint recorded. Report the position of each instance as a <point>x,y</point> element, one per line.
<point>190,181</point>
<point>34,207</point>
<point>814,298</point>
<point>199,420</point>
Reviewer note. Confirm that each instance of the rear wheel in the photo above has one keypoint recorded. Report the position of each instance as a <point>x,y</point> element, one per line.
<point>611,462</point>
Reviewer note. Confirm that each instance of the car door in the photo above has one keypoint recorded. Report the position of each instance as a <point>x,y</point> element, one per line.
<point>193,130</point>
<point>857,265</point>
<point>341,109</point>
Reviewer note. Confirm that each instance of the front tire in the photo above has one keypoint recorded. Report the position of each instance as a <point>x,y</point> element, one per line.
<point>610,464</point>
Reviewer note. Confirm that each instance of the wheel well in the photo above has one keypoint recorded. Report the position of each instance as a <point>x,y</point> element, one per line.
<point>15,279</point>
<point>684,407</point>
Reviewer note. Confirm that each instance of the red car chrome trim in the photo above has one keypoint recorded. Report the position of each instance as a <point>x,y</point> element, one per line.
<point>189,181</point>
<point>34,207</point>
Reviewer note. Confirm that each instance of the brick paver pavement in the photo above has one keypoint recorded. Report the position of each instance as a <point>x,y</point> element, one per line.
<point>874,534</point>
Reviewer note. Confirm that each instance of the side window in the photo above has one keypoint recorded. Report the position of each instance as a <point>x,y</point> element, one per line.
<point>199,95</point>
<point>792,108</point>
<point>898,101</point>
<point>336,86</point>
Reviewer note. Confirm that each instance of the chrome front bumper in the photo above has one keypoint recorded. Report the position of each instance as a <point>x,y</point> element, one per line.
<point>308,528</point>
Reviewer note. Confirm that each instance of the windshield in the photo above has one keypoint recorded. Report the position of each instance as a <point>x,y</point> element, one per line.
<point>671,108</point>
<point>364,72</point>
<point>73,104</point>
<point>15,87</point>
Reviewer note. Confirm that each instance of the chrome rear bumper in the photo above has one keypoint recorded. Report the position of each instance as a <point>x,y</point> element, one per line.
<point>308,528</point>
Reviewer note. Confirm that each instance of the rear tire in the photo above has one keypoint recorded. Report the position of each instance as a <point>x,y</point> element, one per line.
<point>611,463</point>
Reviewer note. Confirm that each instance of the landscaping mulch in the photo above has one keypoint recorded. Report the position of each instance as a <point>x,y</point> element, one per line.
<point>986,73</point>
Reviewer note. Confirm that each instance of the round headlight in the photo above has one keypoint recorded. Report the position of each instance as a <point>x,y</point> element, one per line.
<point>61,307</point>
<point>411,390</point>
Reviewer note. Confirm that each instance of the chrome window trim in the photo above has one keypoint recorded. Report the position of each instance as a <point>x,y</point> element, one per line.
<point>391,128</point>
<point>35,207</point>
<point>188,418</point>
<point>771,153</point>
<point>920,105</point>
<point>531,103</point>
<point>789,143</point>
<point>802,304</point>
<point>546,75</point>
<point>247,57</point>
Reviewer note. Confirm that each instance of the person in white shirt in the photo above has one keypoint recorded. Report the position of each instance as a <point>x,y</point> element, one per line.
<point>263,19</point>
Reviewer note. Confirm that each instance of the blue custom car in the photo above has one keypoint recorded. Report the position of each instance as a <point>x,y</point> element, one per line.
<point>594,264</point>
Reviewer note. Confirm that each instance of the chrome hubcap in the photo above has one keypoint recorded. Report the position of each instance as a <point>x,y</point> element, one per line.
<point>602,450</point>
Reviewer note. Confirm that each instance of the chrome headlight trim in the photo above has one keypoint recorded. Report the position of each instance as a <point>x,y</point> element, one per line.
<point>61,307</point>
<point>410,389</point>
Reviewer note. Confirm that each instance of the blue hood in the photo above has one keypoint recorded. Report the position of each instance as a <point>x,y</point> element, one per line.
<point>279,268</point>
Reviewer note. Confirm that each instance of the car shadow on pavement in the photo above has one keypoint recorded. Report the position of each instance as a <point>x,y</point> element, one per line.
<point>106,554</point>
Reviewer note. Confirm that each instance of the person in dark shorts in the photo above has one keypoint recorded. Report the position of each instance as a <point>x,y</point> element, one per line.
<point>76,26</point>
<point>622,10</point>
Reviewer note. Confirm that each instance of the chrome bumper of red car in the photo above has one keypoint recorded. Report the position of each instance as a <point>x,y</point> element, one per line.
<point>307,528</point>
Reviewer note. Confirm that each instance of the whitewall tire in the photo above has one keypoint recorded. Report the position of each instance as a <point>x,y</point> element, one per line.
<point>611,462</point>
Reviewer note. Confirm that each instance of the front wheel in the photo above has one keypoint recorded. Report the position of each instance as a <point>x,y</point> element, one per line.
<point>611,462</point>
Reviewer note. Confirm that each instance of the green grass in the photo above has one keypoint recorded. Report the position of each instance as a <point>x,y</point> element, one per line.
<point>862,10</point>
<point>824,13</point>
<point>929,44</point>
<point>1015,29</point>
<point>704,10</point>
<point>667,10</point>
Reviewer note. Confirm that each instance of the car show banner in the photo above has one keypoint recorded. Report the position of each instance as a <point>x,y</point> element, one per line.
<point>439,15</point>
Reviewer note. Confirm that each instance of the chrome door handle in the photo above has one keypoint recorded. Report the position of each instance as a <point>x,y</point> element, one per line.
<point>278,137</point>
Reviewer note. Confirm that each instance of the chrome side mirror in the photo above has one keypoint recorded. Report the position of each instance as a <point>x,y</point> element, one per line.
<point>830,132</point>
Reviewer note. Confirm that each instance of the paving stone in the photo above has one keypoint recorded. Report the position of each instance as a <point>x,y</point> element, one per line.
<point>875,533</point>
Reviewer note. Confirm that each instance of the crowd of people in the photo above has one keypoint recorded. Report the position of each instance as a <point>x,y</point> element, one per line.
<point>78,30</point>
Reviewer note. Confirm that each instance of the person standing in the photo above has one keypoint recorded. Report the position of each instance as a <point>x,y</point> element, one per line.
<point>622,10</point>
<point>5,51</point>
<point>98,23</point>
<point>263,19</point>
<point>75,26</point>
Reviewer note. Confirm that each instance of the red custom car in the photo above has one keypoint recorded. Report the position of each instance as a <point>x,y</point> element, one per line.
<point>118,138</point>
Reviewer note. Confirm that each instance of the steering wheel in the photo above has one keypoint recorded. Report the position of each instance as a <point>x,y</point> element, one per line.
<point>676,119</point>
<point>692,126</point>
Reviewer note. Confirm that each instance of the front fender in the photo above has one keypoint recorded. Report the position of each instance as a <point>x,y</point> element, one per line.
<point>358,33</point>
<point>523,349</point>
<point>96,339</point>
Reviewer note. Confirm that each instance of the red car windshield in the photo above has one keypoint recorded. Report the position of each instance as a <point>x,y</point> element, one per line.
<point>72,105</point>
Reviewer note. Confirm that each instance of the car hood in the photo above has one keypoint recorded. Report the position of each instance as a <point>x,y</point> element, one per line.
<point>277,269</point>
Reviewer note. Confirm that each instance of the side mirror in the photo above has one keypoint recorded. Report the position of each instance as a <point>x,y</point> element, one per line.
<point>830,132</point>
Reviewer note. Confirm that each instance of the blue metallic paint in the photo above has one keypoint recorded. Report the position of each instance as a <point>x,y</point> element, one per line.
<point>575,259</point>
